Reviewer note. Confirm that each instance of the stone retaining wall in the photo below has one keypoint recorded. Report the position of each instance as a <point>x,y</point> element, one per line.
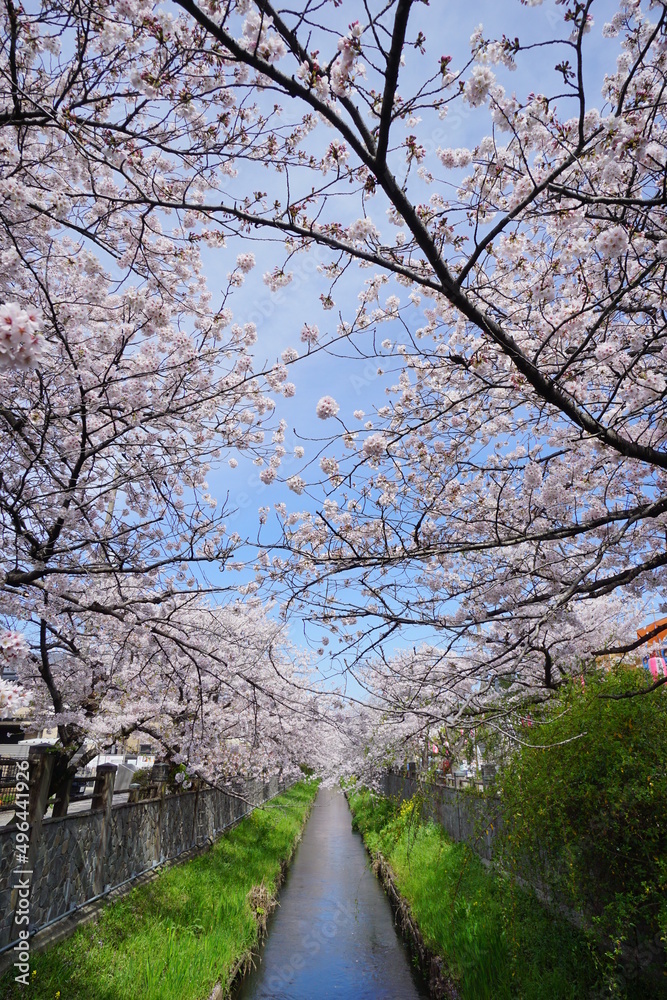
<point>71,868</point>
<point>465,816</point>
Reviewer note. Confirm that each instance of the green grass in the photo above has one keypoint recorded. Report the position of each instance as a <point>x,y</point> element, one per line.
<point>499,942</point>
<point>174,938</point>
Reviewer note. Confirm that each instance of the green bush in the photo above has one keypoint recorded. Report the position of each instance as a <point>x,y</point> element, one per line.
<point>498,942</point>
<point>141,777</point>
<point>586,819</point>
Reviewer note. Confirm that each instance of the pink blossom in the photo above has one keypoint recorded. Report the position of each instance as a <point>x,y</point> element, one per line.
<point>245,262</point>
<point>361,230</point>
<point>348,48</point>
<point>296,484</point>
<point>13,646</point>
<point>329,466</point>
<point>277,279</point>
<point>532,476</point>
<point>13,696</point>
<point>310,333</point>
<point>612,242</point>
<point>478,85</point>
<point>451,158</point>
<point>327,407</point>
<point>336,156</point>
<point>21,345</point>
<point>603,352</point>
<point>375,446</point>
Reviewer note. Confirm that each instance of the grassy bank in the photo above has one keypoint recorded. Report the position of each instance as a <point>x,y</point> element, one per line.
<point>176,937</point>
<point>497,941</point>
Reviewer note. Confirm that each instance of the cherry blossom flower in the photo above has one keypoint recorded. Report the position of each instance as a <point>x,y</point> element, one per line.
<point>13,647</point>
<point>13,696</point>
<point>329,466</point>
<point>612,242</point>
<point>478,85</point>
<point>296,484</point>
<point>361,230</point>
<point>327,407</point>
<point>245,262</point>
<point>310,333</point>
<point>375,446</point>
<point>21,343</point>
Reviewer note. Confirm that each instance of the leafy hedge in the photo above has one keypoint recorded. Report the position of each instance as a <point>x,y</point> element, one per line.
<point>587,819</point>
<point>498,941</point>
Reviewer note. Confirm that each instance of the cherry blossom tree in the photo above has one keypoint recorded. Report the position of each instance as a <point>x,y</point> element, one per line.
<point>515,476</point>
<point>218,688</point>
<point>518,466</point>
<point>422,692</point>
<point>121,384</point>
<point>111,539</point>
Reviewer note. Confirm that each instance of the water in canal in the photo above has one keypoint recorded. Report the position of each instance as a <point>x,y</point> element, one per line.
<point>333,935</point>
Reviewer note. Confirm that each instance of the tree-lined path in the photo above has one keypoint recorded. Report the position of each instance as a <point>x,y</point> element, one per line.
<point>333,934</point>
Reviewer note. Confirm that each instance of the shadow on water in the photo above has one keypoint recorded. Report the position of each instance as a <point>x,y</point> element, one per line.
<point>333,934</point>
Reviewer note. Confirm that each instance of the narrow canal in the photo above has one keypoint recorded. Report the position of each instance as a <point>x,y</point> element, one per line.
<point>333,934</point>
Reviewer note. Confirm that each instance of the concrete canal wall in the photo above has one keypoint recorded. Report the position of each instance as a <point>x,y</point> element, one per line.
<point>83,855</point>
<point>465,815</point>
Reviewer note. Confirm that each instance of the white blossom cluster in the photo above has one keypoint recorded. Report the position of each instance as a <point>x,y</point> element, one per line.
<point>451,158</point>
<point>245,262</point>
<point>327,407</point>
<point>375,446</point>
<point>479,84</point>
<point>21,342</point>
<point>362,229</point>
<point>13,647</point>
<point>612,242</point>
<point>344,66</point>
<point>13,696</point>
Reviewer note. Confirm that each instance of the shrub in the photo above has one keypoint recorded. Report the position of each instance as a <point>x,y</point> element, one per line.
<point>585,810</point>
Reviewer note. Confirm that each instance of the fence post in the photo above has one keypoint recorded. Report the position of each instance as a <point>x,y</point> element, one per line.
<point>105,778</point>
<point>161,790</point>
<point>42,759</point>
<point>61,805</point>
<point>458,813</point>
<point>40,763</point>
<point>194,814</point>
<point>159,776</point>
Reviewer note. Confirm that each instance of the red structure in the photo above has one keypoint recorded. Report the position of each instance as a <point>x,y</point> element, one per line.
<point>655,658</point>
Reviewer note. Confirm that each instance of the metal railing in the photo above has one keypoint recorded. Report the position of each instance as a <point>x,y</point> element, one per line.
<point>82,788</point>
<point>8,772</point>
<point>482,779</point>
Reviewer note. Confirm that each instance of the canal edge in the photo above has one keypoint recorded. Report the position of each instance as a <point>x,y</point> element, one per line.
<point>441,983</point>
<point>269,904</point>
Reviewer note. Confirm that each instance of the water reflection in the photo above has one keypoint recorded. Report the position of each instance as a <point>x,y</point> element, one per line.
<point>333,934</point>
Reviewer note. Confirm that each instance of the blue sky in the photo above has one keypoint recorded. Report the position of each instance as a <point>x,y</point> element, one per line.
<point>279,317</point>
